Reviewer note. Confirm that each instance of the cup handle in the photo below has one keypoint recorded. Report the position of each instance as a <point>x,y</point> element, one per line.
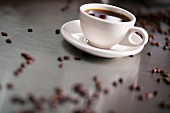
<point>130,40</point>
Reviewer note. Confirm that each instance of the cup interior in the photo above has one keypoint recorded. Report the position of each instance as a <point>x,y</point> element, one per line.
<point>97,6</point>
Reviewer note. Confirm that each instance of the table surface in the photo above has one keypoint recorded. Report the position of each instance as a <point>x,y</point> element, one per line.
<point>44,75</point>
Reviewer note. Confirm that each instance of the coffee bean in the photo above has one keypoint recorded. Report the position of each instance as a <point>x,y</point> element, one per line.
<point>149,54</point>
<point>131,55</point>
<point>164,105</point>
<point>95,78</point>
<point>158,80</point>
<point>60,59</point>
<point>157,44</point>
<point>60,65</point>
<point>114,84</point>
<point>121,80</point>
<point>102,16</point>
<point>57,31</point>
<point>4,34</point>
<point>135,87</point>
<point>10,86</point>
<point>18,100</point>
<point>77,58</point>
<point>9,41</point>
<point>155,93</point>
<point>30,30</point>
<point>92,14</point>
<point>165,47</point>
<point>106,91</point>
<point>59,91</point>
<point>66,58</point>
<point>154,70</point>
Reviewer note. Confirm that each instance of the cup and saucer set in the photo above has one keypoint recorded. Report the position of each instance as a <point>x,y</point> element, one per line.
<point>105,31</point>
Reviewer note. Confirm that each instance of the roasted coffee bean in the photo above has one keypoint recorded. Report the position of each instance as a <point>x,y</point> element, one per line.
<point>106,91</point>
<point>157,44</point>
<point>30,30</point>
<point>60,59</point>
<point>102,16</point>
<point>95,78</point>
<point>22,65</point>
<point>57,31</point>
<point>158,80</point>
<point>114,84</point>
<point>149,54</point>
<point>154,70</point>
<point>9,86</point>
<point>66,58</point>
<point>79,89</point>
<point>4,34</point>
<point>18,100</point>
<point>135,87</point>
<point>155,93</point>
<point>77,58</point>
<point>164,105</point>
<point>131,55</point>
<point>165,47</point>
<point>92,14</point>
<point>166,80</point>
<point>60,65</point>
<point>59,91</point>
<point>27,56</point>
<point>121,80</point>
<point>9,41</point>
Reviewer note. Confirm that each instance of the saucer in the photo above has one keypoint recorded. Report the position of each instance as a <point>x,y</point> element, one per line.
<point>71,32</point>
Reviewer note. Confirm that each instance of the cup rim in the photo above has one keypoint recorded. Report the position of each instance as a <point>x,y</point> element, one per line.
<point>129,14</point>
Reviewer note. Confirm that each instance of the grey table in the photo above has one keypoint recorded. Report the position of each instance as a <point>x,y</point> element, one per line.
<point>41,77</point>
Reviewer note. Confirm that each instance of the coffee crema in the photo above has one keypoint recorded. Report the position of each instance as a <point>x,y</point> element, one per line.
<point>108,15</point>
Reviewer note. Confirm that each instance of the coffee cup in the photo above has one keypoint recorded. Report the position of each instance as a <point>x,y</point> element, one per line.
<point>105,26</point>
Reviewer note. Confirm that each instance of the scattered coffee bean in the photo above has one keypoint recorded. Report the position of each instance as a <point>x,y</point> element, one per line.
<point>157,44</point>
<point>30,30</point>
<point>165,47</point>
<point>148,96</point>
<point>149,54</point>
<point>66,58</point>
<point>59,91</point>
<point>95,78</point>
<point>166,80</point>
<point>18,100</point>
<point>114,84</point>
<point>158,80</point>
<point>60,65</point>
<point>121,80</point>
<point>131,55</point>
<point>106,91</point>
<point>9,41</point>
<point>135,87</point>
<point>77,58</point>
<point>60,59</point>
<point>79,89</point>
<point>154,70</point>
<point>4,34</point>
<point>102,16</point>
<point>10,86</point>
<point>92,14</point>
<point>57,31</point>
<point>164,105</point>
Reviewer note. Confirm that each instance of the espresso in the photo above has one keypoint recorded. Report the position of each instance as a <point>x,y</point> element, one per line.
<point>108,15</point>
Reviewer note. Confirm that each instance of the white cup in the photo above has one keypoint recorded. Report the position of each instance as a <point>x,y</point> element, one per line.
<point>103,33</point>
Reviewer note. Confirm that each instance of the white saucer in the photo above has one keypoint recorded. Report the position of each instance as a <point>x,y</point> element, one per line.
<point>71,32</point>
